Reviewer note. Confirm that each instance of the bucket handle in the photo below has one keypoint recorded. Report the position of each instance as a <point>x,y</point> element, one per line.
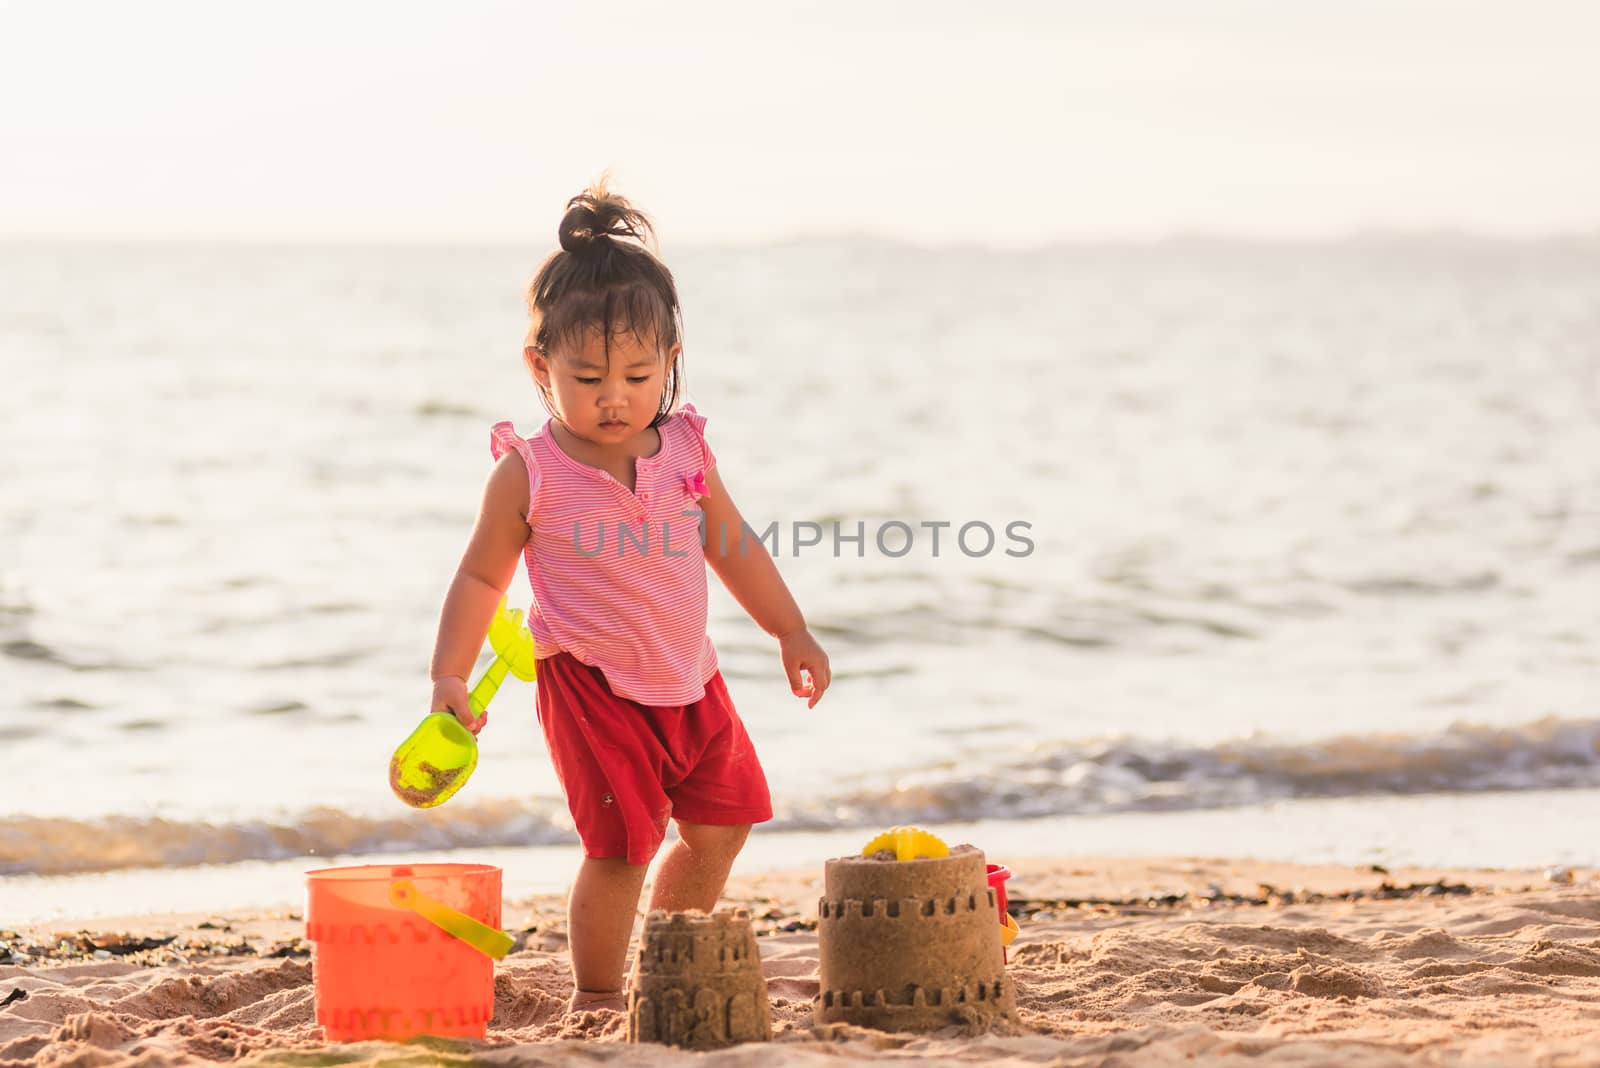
<point>480,936</point>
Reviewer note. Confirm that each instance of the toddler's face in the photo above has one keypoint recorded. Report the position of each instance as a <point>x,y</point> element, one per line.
<point>601,401</point>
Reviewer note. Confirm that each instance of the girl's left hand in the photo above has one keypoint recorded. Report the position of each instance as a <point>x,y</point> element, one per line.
<point>806,665</point>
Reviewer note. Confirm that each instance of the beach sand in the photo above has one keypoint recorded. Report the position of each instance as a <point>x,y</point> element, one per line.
<point>1120,962</point>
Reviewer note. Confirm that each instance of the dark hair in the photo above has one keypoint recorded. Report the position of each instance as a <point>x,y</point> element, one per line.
<point>606,280</point>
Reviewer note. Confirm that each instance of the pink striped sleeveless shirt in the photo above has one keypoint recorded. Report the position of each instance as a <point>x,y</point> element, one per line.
<point>619,578</point>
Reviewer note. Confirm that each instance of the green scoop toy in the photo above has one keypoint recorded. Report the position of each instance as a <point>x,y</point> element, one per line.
<point>432,764</point>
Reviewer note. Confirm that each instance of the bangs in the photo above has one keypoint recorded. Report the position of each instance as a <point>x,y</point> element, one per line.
<point>637,310</point>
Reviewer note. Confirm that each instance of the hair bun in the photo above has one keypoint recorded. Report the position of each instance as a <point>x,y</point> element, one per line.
<point>577,230</point>
<point>598,213</point>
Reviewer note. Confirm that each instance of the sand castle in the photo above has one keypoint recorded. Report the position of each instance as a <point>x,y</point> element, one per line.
<point>698,982</point>
<point>911,945</point>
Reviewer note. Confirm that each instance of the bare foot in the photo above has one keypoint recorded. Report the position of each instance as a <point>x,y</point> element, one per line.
<point>590,1000</point>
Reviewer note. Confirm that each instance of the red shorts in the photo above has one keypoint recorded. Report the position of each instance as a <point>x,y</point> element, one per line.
<point>627,767</point>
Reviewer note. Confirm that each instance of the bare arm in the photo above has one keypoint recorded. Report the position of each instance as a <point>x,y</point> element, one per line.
<point>480,581</point>
<point>748,572</point>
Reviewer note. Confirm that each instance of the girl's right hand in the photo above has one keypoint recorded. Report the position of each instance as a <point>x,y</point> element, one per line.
<point>450,695</point>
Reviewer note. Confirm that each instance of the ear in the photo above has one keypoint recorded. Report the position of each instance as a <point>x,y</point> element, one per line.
<point>673,354</point>
<point>538,365</point>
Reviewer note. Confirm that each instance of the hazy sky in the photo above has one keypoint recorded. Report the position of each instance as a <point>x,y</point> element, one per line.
<point>1017,123</point>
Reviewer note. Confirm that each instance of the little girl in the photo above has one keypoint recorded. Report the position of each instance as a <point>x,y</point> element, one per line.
<point>616,506</point>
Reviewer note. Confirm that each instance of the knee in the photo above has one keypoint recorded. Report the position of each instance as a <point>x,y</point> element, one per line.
<point>611,872</point>
<point>712,841</point>
<point>614,866</point>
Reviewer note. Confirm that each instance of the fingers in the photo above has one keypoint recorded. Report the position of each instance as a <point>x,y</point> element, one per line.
<point>821,677</point>
<point>807,667</point>
<point>817,677</point>
<point>464,716</point>
<point>797,684</point>
<point>450,696</point>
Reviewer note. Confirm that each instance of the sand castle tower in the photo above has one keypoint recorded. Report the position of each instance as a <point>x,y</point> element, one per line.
<point>911,945</point>
<point>698,983</point>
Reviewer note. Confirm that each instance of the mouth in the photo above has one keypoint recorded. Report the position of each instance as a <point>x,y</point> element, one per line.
<point>613,424</point>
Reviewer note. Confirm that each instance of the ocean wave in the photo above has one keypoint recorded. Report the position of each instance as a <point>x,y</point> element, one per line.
<point>1091,777</point>
<point>1137,775</point>
<point>55,846</point>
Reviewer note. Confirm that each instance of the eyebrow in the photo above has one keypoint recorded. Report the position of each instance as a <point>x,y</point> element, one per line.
<point>643,361</point>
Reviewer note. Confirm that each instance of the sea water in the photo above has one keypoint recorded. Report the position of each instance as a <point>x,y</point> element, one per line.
<point>1290,525</point>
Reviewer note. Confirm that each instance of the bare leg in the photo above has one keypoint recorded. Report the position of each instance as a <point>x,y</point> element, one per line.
<point>600,913</point>
<point>695,870</point>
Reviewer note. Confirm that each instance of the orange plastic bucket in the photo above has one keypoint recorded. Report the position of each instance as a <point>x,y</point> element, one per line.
<point>383,971</point>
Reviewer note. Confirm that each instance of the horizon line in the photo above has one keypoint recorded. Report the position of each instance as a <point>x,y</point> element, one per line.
<point>1179,237</point>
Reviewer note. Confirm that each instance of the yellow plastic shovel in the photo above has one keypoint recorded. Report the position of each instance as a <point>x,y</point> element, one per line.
<point>436,760</point>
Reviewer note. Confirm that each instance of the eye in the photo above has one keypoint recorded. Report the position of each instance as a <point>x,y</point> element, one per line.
<point>638,378</point>
<point>588,381</point>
